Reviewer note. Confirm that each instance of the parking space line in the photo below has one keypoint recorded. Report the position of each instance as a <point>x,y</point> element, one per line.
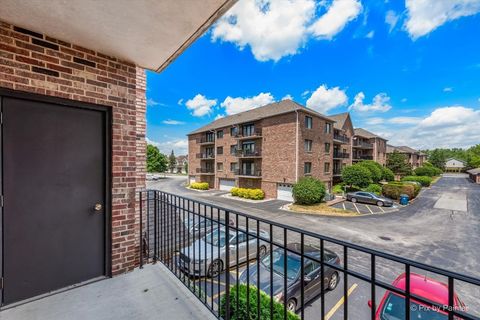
<point>210,280</point>
<point>382,209</point>
<point>368,207</point>
<point>216,295</point>
<point>343,204</point>
<point>356,208</point>
<point>340,302</point>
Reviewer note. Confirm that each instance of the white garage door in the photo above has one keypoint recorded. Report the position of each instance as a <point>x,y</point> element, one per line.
<point>226,184</point>
<point>284,192</point>
<point>192,179</point>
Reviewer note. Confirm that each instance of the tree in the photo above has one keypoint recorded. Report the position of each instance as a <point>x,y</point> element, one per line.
<point>172,162</point>
<point>309,190</point>
<point>186,167</point>
<point>387,174</point>
<point>397,162</point>
<point>356,175</point>
<point>156,161</point>
<point>438,157</point>
<point>375,169</point>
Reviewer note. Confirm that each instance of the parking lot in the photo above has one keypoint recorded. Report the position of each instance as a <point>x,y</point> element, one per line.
<point>365,209</point>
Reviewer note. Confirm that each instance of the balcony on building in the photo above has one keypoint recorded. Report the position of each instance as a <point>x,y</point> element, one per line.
<point>362,144</point>
<point>249,153</point>
<point>255,174</point>
<point>337,172</point>
<point>340,155</point>
<point>205,171</point>
<point>340,138</point>
<point>205,156</point>
<point>362,157</point>
<point>247,131</point>
<point>208,138</point>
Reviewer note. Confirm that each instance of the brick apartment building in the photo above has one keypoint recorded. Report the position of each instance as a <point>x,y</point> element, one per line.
<point>342,143</point>
<point>270,147</point>
<point>414,157</point>
<point>369,146</point>
<point>72,99</point>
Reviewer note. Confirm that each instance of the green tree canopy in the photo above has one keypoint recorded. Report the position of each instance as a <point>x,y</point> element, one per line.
<point>156,161</point>
<point>375,169</point>
<point>357,175</point>
<point>172,161</point>
<point>397,162</point>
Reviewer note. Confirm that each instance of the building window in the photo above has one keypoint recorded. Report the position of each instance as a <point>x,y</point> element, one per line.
<point>233,131</point>
<point>248,147</point>
<point>209,152</point>
<point>308,122</point>
<point>233,166</point>
<point>248,130</point>
<point>326,167</point>
<point>233,149</point>
<point>307,169</point>
<point>219,150</point>
<point>219,166</point>
<point>210,137</point>
<point>328,128</point>
<point>308,145</point>
<point>327,147</point>
<point>220,134</point>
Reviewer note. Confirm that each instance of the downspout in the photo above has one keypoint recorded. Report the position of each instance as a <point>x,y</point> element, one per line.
<point>296,147</point>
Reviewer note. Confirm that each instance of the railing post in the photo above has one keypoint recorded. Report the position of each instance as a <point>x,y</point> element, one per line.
<point>141,230</point>
<point>227,265</point>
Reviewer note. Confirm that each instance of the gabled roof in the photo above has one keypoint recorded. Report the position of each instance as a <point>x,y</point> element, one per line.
<point>456,160</point>
<point>269,110</point>
<point>366,134</point>
<point>339,120</point>
<point>402,149</point>
<point>474,171</point>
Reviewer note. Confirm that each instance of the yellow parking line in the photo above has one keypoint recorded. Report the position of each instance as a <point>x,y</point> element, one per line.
<point>368,207</point>
<point>340,302</point>
<point>356,208</point>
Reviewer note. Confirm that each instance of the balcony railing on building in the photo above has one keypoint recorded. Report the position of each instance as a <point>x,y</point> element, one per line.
<point>362,144</point>
<point>205,170</point>
<point>248,173</point>
<point>248,153</point>
<point>337,171</point>
<point>249,135</point>
<point>361,157</point>
<point>341,155</point>
<point>205,155</point>
<point>341,138</point>
<point>206,140</point>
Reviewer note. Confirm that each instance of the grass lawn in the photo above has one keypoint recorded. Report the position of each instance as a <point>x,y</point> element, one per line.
<point>322,209</point>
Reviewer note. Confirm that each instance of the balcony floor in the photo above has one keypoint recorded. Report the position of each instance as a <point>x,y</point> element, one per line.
<point>149,293</point>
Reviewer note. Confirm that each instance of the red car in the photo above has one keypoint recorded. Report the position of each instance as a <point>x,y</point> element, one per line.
<point>392,306</point>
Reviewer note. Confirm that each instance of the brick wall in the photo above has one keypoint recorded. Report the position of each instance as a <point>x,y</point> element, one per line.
<point>36,63</point>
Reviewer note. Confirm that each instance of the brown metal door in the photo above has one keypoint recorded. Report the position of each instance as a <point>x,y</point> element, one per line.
<point>54,173</point>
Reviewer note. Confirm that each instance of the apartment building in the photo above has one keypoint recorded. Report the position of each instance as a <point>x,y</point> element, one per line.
<point>342,143</point>
<point>414,157</point>
<point>269,147</point>
<point>368,146</point>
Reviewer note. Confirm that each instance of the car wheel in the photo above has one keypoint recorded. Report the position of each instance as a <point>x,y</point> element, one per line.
<point>354,200</point>
<point>292,305</point>
<point>380,203</point>
<point>262,252</point>
<point>333,281</point>
<point>215,268</point>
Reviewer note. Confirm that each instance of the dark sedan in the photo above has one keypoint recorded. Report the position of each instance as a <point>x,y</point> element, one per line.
<point>370,198</point>
<point>311,277</point>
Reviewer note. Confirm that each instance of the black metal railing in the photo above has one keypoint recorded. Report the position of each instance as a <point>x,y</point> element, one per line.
<point>248,153</point>
<point>209,155</point>
<point>362,144</point>
<point>249,134</point>
<point>249,173</point>
<point>340,155</point>
<point>190,238</point>
<point>341,137</point>
<point>362,157</point>
<point>206,140</point>
<point>205,170</point>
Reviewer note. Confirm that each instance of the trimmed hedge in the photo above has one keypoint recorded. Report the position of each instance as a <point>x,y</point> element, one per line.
<point>424,181</point>
<point>428,170</point>
<point>393,190</point>
<point>309,190</point>
<point>387,174</point>
<point>375,188</point>
<point>356,175</point>
<point>253,194</point>
<point>240,312</point>
<point>200,185</point>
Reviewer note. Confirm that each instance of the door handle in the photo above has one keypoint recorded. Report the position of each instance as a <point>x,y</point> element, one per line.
<point>98,207</point>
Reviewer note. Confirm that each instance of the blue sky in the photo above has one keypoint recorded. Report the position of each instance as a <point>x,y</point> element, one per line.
<point>406,70</point>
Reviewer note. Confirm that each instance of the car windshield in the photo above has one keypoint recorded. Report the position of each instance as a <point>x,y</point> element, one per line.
<point>293,264</point>
<point>217,238</point>
<point>394,309</point>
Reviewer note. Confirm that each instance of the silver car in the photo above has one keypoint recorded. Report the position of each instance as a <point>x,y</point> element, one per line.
<point>207,255</point>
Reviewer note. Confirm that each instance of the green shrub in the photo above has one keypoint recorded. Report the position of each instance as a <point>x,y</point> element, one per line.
<point>393,190</point>
<point>416,187</point>
<point>200,185</point>
<point>429,171</point>
<point>374,168</point>
<point>309,190</point>
<point>338,189</point>
<point>356,176</point>
<point>254,194</point>
<point>240,312</point>
<point>373,187</point>
<point>424,181</point>
<point>387,174</point>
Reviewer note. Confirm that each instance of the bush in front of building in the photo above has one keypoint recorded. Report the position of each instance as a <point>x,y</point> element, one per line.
<point>374,167</point>
<point>375,188</point>
<point>245,309</point>
<point>199,185</point>
<point>428,171</point>
<point>247,193</point>
<point>393,190</point>
<point>423,180</point>
<point>309,190</point>
<point>356,175</point>
<point>387,174</point>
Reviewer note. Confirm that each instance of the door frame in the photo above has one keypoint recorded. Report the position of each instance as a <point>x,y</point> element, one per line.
<point>107,128</point>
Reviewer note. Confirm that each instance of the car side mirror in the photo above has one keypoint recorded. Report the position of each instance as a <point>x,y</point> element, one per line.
<point>370,303</point>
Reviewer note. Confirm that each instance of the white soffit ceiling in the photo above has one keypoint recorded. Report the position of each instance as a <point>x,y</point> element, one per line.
<point>149,33</point>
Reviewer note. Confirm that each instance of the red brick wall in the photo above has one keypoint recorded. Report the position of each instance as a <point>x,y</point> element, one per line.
<point>36,63</point>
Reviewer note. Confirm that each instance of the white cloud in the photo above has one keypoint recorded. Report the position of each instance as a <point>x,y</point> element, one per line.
<point>179,146</point>
<point>404,120</point>
<point>447,89</point>
<point>219,116</point>
<point>391,18</point>
<point>274,29</point>
<point>374,121</point>
<point>200,105</point>
<point>424,16</point>
<point>404,100</point>
<point>153,103</point>
<point>240,104</point>
<point>381,103</point>
<point>287,97</point>
<point>370,34</point>
<point>324,99</point>
<point>173,122</point>
<point>336,18</point>
<point>180,101</point>
<point>305,93</point>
